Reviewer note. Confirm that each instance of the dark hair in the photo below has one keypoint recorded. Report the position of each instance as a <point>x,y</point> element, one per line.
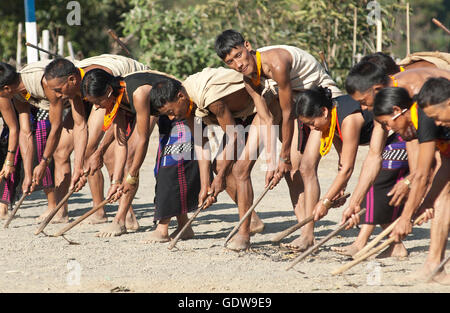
<point>96,82</point>
<point>162,92</point>
<point>434,91</point>
<point>226,41</point>
<point>387,98</point>
<point>60,68</point>
<point>365,75</point>
<point>8,75</point>
<point>384,61</point>
<point>310,102</point>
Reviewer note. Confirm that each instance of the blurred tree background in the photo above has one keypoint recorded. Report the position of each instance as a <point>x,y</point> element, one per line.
<point>177,36</point>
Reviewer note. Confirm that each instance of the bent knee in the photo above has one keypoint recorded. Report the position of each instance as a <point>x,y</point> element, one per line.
<point>241,170</point>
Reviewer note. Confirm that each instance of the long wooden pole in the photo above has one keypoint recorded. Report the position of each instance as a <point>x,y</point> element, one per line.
<point>189,222</point>
<point>247,214</point>
<point>49,217</point>
<point>300,224</point>
<point>373,251</point>
<point>16,208</point>
<point>320,243</point>
<point>439,24</point>
<point>113,34</point>
<point>376,240</point>
<point>82,218</point>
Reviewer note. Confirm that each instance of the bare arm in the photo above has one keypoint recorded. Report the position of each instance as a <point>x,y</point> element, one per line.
<point>80,132</point>
<point>351,128</point>
<point>266,118</point>
<point>226,122</point>
<point>26,143</point>
<point>369,172</point>
<point>9,116</point>
<point>419,187</point>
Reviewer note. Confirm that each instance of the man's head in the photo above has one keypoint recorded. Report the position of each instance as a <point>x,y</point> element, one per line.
<point>384,61</point>
<point>434,99</point>
<point>168,97</point>
<point>101,88</point>
<point>9,80</point>
<point>236,52</point>
<point>363,82</point>
<point>63,77</point>
<point>391,106</point>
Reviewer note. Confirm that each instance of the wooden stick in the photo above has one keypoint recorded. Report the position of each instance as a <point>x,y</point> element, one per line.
<point>113,34</point>
<point>16,208</point>
<point>82,218</point>
<point>247,214</point>
<point>437,269</point>
<point>189,222</point>
<point>49,217</point>
<point>439,24</point>
<point>43,50</point>
<point>314,248</point>
<point>376,240</point>
<point>373,251</point>
<point>294,228</point>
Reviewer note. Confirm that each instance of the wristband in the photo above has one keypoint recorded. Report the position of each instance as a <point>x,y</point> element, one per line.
<point>327,203</point>
<point>407,182</point>
<point>115,182</point>
<point>287,161</point>
<point>46,160</point>
<point>10,151</point>
<point>132,180</point>
<point>9,163</point>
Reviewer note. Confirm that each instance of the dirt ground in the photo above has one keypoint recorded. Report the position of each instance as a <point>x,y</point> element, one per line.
<point>30,263</point>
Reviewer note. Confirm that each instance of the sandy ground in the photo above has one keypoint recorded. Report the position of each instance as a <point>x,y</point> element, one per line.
<point>30,263</point>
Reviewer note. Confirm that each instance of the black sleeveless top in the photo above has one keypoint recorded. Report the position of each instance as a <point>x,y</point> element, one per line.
<point>134,81</point>
<point>345,105</point>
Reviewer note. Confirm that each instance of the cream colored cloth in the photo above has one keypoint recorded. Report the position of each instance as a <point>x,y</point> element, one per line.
<point>212,84</point>
<point>305,73</point>
<point>440,59</point>
<point>118,64</point>
<point>31,76</point>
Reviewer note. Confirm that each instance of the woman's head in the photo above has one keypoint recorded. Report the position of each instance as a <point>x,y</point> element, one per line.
<point>101,88</point>
<point>313,107</point>
<point>391,107</point>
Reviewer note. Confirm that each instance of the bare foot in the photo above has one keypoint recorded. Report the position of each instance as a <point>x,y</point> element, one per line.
<point>156,237</point>
<point>423,274</point>
<point>396,250</point>
<point>96,218</point>
<point>349,250</point>
<point>4,216</point>
<point>298,245</point>
<point>188,233</point>
<point>239,242</point>
<point>111,230</point>
<point>42,217</point>
<point>442,278</point>
<point>131,222</point>
<point>256,225</point>
<point>58,219</point>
